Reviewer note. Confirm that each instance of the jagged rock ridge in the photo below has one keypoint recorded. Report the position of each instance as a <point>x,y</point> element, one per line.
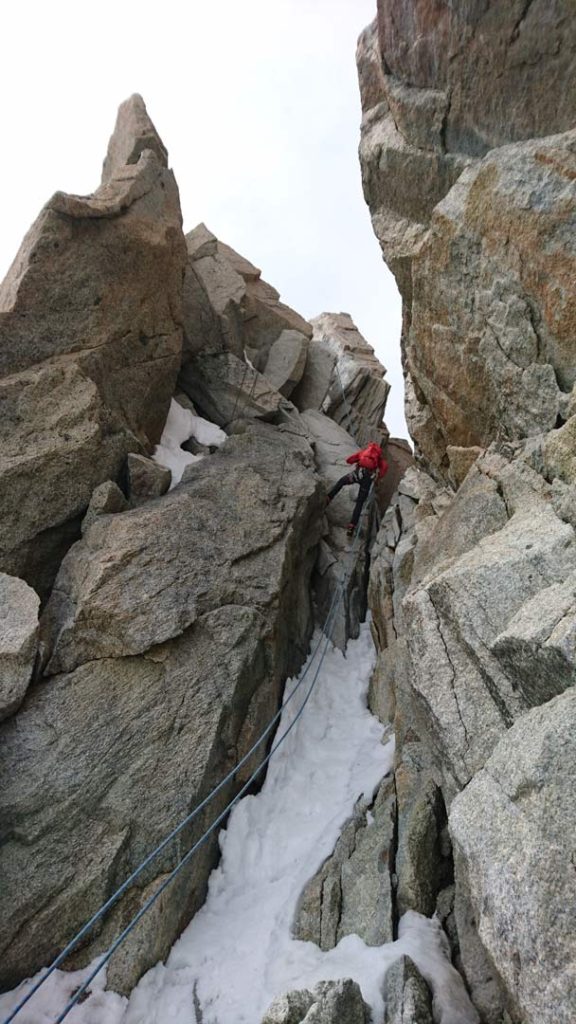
<point>170,619</point>
<point>90,343</point>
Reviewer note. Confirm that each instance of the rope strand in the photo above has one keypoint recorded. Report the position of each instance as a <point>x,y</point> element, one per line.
<point>188,856</point>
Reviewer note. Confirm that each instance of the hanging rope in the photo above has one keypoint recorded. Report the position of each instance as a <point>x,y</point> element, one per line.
<point>165,842</point>
<point>152,899</point>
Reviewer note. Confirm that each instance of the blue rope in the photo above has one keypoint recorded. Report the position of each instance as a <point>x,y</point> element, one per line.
<point>152,899</point>
<point>162,846</point>
<point>190,817</point>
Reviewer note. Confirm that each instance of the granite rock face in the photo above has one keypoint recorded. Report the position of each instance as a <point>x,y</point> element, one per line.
<point>406,994</point>
<point>472,594</point>
<point>477,231</point>
<point>330,1002</point>
<point>177,621</point>
<point>227,305</point>
<point>19,607</point>
<point>468,155</point>
<point>344,379</point>
<point>490,344</point>
<point>511,828</point>
<point>351,894</point>
<point>442,85</point>
<point>90,344</point>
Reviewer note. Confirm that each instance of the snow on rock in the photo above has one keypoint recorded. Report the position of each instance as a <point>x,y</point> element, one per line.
<point>180,426</point>
<point>100,1007</point>
<point>237,955</point>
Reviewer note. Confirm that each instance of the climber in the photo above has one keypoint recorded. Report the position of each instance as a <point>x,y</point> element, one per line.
<point>371,465</point>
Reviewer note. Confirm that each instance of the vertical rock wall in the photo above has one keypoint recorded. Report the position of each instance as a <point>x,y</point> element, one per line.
<point>468,159</point>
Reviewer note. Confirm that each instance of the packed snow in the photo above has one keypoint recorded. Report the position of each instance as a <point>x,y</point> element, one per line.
<point>180,426</point>
<point>237,954</point>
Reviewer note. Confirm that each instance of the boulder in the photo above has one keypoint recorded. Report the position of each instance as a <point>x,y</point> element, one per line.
<point>56,430</point>
<point>352,893</point>
<point>538,646</point>
<point>99,766</point>
<point>224,388</point>
<point>344,379</point>
<point>19,607</point>
<point>227,306</point>
<point>512,828</point>
<point>330,1002</point>
<point>186,545</point>
<point>170,632</point>
<point>90,343</point>
<point>106,498</point>
<point>286,361</point>
<point>146,479</point>
<point>461,459</point>
<point>290,1008</point>
<point>265,317</point>
<point>338,1002</point>
<point>455,617</point>
<point>406,995</point>
<point>560,453</point>
<point>213,296</point>
<point>422,862</point>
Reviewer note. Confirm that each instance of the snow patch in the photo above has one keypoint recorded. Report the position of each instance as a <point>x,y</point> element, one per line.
<point>237,954</point>
<point>180,426</point>
<point>99,1008</point>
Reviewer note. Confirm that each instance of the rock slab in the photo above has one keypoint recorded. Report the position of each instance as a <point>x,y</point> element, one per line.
<point>19,607</point>
<point>511,828</point>
<point>170,633</point>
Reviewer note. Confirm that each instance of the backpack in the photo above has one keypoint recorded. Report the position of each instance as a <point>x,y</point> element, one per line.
<point>370,456</point>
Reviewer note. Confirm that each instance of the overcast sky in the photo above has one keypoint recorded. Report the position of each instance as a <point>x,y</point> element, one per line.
<point>257,102</point>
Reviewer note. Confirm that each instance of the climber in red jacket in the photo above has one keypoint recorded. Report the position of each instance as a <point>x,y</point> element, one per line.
<point>370,465</point>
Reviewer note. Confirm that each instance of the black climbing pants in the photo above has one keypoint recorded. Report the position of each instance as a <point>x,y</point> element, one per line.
<point>357,476</point>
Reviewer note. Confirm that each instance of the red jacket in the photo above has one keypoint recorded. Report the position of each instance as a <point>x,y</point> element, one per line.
<point>370,458</point>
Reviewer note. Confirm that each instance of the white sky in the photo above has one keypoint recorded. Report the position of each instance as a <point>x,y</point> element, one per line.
<point>257,102</point>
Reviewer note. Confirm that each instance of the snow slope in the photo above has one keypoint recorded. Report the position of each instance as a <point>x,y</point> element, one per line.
<point>237,954</point>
